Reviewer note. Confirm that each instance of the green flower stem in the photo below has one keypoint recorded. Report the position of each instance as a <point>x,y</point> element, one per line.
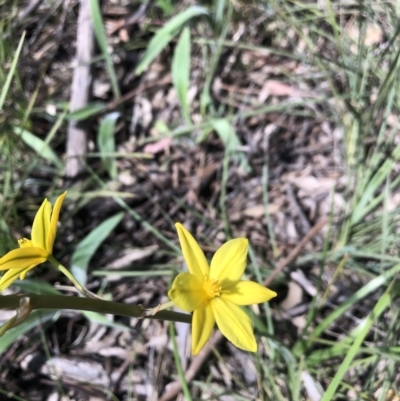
<point>157,309</point>
<point>167,305</point>
<point>70,276</point>
<point>61,302</point>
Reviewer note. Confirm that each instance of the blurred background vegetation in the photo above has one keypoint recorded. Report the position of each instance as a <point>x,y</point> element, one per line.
<point>277,121</point>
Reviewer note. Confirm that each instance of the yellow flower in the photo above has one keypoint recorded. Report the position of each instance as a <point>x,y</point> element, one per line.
<point>36,250</point>
<point>215,293</point>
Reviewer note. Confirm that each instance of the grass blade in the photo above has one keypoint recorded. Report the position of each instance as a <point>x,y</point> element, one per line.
<point>106,141</point>
<point>10,74</point>
<point>11,336</point>
<point>41,147</point>
<point>231,141</point>
<point>85,112</point>
<point>101,37</point>
<point>373,285</point>
<point>166,33</point>
<point>384,302</point>
<point>181,71</point>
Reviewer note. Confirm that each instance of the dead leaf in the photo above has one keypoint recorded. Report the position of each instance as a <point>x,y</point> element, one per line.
<point>293,298</point>
<point>132,255</point>
<point>275,88</point>
<point>373,34</point>
<point>310,184</point>
<point>259,210</point>
<point>159,146</point>
<point>304,282</point>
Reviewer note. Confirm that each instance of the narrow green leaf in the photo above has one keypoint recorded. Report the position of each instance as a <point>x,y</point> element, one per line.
<point>102,319</point>
<point>362,330</point>
<point>106,141</point>
<point>219,7</point>
<point>37,286</point>
<point>12,335</point>
<point>86,112</point>
<point>39,146</point>
<point>10,74</point>
<point>301,346</point>
<point>101,37</point>
<point>88,246</point>
<point>373,185</point>
<point>166,33</point>
<point>226,133</point>
<point>231,141</point>
<point>181,71</point>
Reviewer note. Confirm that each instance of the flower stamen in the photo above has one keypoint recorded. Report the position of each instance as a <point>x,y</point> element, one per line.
<point>212,288</point>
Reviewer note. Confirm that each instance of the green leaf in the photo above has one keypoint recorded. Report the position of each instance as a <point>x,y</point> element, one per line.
<point>166,33</point>
<point>226,133</point>
<point>7,83</point>
<point>85,112</point>
<point>88,246</point>
<point>220,12</point>
<point>101,37</point>
<point>371,287</point>
<point>36,286</point>
<point>181,71</point>
<point>102,319</point>
<point>39,146</point>
<point>231,141</point>
<point>12,335</point>
<point>357,339</point>
<point>106,141</point>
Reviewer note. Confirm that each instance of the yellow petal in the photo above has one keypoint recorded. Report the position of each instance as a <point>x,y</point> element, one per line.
<point>25,243</point>
<point>187,292</point>
<point>202,326</point>
<point>9,277</point>
<point>194,256</point>
<point>24,272</point>
<point>41,225</point>
<point>234,324</point>
<point>23,258</point>
<point>229,262</point>
<point>247,293</point>
<point>51,236</point>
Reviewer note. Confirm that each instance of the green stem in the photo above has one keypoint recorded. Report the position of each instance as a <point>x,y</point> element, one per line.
<point>167,305</point>
<point>159,308</point>
<point>70,276</point>
<point>88,304</point>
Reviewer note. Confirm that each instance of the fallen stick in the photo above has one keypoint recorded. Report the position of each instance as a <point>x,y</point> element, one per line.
<point>295,251</point>
<point>80,91</point>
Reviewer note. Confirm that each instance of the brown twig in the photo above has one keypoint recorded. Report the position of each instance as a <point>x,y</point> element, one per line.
<point>293,254</point>
<point>129,95</point>
<point>29,9</point>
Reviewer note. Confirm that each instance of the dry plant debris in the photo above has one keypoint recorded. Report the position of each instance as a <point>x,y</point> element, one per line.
<point>288,176</point>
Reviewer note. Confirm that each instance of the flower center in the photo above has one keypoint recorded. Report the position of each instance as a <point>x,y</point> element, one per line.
<point>211,288</point>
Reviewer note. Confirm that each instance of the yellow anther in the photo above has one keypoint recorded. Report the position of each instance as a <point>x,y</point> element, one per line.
<point>211,288</point>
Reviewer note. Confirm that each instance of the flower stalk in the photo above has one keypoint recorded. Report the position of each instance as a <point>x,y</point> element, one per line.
<point>60,302</point>
<point>85,292</point>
